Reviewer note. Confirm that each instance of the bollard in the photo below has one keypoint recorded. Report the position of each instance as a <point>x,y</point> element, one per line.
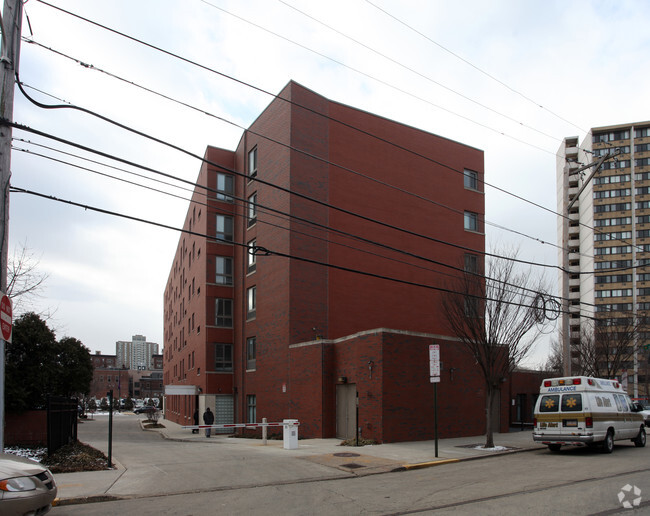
<point>264,431</point>
<point>290,434</point>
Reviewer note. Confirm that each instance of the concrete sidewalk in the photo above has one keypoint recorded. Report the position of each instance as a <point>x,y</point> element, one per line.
<point>183,462</point>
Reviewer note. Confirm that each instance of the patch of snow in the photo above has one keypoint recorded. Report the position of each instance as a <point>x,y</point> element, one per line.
<point>36,454</point>
<point>495,448</point>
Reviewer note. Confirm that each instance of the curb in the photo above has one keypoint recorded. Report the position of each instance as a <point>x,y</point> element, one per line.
<point>430,464</point>
<point>421,465</point>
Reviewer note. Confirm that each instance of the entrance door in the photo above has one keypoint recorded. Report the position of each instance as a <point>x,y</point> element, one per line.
<point>224,413</point>
<point>346,411</point>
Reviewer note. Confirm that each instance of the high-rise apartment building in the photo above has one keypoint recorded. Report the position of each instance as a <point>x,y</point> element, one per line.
<point>604,237</point>
<point>136,354</point>
<point>265,315</point>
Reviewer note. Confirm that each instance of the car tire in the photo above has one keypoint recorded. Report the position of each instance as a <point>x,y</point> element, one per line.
<point>554,447</point>
<point>639,440</point>
<point>608,443</point>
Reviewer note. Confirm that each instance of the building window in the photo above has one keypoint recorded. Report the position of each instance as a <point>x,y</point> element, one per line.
<point>225,187</point>
<point>251,405</point>
<point>224,228</point>
<point>252,209</point>
<point>223,273</point>
<point>471,221</point>
<point>251,296</point>
<point>252,163</point>
<point>223,313</point>
<point>251,352</point>
<point>252,257</point>
<point>472,307</point>
<point>223,357</point>
<point>471,263</point>
<point>470,179</point>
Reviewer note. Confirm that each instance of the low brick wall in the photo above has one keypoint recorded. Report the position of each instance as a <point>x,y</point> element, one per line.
<point>27,428</point>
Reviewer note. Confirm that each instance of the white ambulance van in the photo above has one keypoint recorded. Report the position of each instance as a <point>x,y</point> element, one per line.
<point>580,410</point>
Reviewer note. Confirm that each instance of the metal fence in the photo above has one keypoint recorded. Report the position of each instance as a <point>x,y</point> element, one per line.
<point>61,422</point>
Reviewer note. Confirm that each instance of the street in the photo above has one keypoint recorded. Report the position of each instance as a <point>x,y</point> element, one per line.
<point>574,481</point>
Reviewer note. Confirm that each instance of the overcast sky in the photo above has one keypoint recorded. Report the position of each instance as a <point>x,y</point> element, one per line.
<point>512,78</point>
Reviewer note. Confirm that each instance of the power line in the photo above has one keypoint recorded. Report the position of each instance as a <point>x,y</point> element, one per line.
<point>537,104</point>
<point>234,172</point>
<point>263,251</point>
<point>507,192</point>
<point>308,154</point>
<point>420,74</point>
<point>275,213</point>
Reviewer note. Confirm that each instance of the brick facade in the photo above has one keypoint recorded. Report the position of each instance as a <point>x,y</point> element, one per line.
<point>314,325</point>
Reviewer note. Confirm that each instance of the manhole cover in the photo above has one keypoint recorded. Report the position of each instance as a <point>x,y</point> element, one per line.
<point>352,465</point>
<point>346,454</point>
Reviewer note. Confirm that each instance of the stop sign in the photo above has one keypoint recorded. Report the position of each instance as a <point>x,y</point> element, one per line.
<point>5,318</point>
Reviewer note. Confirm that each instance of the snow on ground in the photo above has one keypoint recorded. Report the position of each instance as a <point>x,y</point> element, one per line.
<point>495,448</point>
<point>36,454</point>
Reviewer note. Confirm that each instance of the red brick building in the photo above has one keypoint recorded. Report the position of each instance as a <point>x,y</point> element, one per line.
<point>277,333</point>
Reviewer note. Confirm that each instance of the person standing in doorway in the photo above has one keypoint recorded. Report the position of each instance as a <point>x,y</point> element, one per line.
<point>208,419</point>
<point>196,421</point>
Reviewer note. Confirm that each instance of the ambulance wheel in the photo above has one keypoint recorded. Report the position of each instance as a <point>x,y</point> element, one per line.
<point>554,447</point>
<point>639,440</point>
<point>608,443</point>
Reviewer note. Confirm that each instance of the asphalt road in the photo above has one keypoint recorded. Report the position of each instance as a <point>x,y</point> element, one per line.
<point>574,481</point>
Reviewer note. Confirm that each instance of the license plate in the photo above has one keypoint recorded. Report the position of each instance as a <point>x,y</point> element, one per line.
<point>570,422</point>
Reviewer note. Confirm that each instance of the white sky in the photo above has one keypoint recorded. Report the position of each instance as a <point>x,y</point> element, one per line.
<point>582,61</point>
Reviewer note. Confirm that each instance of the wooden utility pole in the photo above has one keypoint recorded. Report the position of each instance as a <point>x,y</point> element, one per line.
<point>11,22</point>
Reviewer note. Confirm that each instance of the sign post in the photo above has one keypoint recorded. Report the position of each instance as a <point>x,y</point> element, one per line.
<point>434,376</point>
<point>6,326</point>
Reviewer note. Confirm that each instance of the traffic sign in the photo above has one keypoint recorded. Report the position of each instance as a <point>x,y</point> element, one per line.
<point>6,322</point>
<point>435,379</point>
<point>434,360</point>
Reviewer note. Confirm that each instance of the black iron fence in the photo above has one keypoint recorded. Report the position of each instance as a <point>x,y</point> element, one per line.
<point>61,422</point>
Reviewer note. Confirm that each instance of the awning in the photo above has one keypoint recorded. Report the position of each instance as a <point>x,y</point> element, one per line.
<point>181,390</point>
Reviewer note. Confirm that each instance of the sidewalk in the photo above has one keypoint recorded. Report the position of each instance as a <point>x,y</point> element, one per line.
<point>198,463</point>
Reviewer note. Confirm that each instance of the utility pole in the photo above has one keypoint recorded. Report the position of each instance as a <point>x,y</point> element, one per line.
<point>10,24</point>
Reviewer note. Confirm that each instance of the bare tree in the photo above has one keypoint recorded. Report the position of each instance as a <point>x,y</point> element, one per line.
<point>24,281</point>
<point>498,317</point>
<point>608,344</point>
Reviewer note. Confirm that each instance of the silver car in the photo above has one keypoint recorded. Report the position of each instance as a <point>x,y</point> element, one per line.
<point>26,486</point>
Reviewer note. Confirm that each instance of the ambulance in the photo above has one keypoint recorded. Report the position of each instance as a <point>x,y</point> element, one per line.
<point>580,410</point>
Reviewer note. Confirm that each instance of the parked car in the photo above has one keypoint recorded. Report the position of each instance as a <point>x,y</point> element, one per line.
<point>144,408</point>
<point>26,486</point>
<point>645,412</point>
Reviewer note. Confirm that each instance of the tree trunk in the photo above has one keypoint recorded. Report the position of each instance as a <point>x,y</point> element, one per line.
<point>489,438</point>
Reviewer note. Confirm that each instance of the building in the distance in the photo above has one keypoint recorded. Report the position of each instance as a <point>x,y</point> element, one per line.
<point>107,375</point>
<point>604,237</point>
<point>137,353</point>
<point>309,278</point>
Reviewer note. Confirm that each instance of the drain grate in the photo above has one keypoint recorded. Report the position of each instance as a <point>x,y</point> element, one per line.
<point>352,465</point>
<point>346,454</point>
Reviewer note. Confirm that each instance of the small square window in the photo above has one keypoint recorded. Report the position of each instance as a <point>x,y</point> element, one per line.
<point>252,209</point>
<point>471,221</point>
<point>225,187</point>
<point>470,179</point>
<point>224,228</point>
<point>252,257</point>
<point>251,405</point>
<point>223,357</point>
<point>251,352</point>
<point>252,163</point>
<point>471,263</point>
<point>223,313</point>
<point>251,302</point>
<point>223,270</point>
